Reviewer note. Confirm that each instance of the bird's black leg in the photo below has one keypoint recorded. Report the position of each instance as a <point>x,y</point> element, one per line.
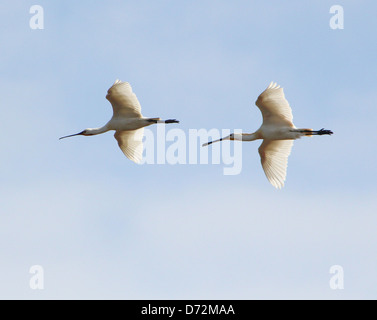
<point>171,121</point>
<point>322,131</point>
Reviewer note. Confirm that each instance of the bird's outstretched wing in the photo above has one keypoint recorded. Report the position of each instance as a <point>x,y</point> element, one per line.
<point>123,100</point>
<point>274,107</point>
<point>131,143</point>
<point>274,157</point>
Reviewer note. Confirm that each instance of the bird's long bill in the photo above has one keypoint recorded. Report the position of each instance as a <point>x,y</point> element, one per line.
<point>72,135</point>
<point>210,142</point>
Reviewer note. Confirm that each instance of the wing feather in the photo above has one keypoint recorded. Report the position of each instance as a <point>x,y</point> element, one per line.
<point>123,100</point>
<point>274,158</point>
<point>131,143</point>
<point>274,107</point>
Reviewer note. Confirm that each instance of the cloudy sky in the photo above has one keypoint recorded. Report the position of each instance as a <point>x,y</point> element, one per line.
<point>103,227</point>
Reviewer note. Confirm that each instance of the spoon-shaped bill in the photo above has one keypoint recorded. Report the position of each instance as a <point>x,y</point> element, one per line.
<point>72,135</point>
<point>210,142</point>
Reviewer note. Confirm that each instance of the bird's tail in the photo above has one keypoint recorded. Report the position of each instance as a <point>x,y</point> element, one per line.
<point>154,120</point>
<point>307,132</point>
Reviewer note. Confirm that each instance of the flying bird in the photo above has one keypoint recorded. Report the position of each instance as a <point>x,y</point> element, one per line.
<point>277,132</point>
<point>127,121</point>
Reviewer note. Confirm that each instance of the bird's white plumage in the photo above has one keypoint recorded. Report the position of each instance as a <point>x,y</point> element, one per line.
<point>123,100</point>
<point>274,107</point>
<point>131,143</point>
<point>127,121</point>
<point>274,158</point>
<point>274,154</point>
<point>277,131</point>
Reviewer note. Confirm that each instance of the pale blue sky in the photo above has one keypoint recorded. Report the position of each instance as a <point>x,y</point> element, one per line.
<point>103,227</point>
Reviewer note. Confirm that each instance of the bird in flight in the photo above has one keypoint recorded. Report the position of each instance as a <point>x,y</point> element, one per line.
<point>277,132</point>
<point>127,121</point>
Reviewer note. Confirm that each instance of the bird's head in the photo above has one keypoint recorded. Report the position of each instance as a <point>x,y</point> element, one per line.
<point>232,136</point>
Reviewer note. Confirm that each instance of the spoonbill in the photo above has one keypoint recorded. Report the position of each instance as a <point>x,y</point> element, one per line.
<point>127,121</point>
<point>277,132</point>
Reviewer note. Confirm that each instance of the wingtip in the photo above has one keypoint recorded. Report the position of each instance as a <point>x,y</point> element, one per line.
<point>277,184</point>
<point>273,85</point>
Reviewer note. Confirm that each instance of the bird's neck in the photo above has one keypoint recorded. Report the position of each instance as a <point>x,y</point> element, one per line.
<point>247,136</point>
<point>94,131</point>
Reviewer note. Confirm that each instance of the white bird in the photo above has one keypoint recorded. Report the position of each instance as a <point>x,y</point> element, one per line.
<point>277,132</point>
<point>127,121</point>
